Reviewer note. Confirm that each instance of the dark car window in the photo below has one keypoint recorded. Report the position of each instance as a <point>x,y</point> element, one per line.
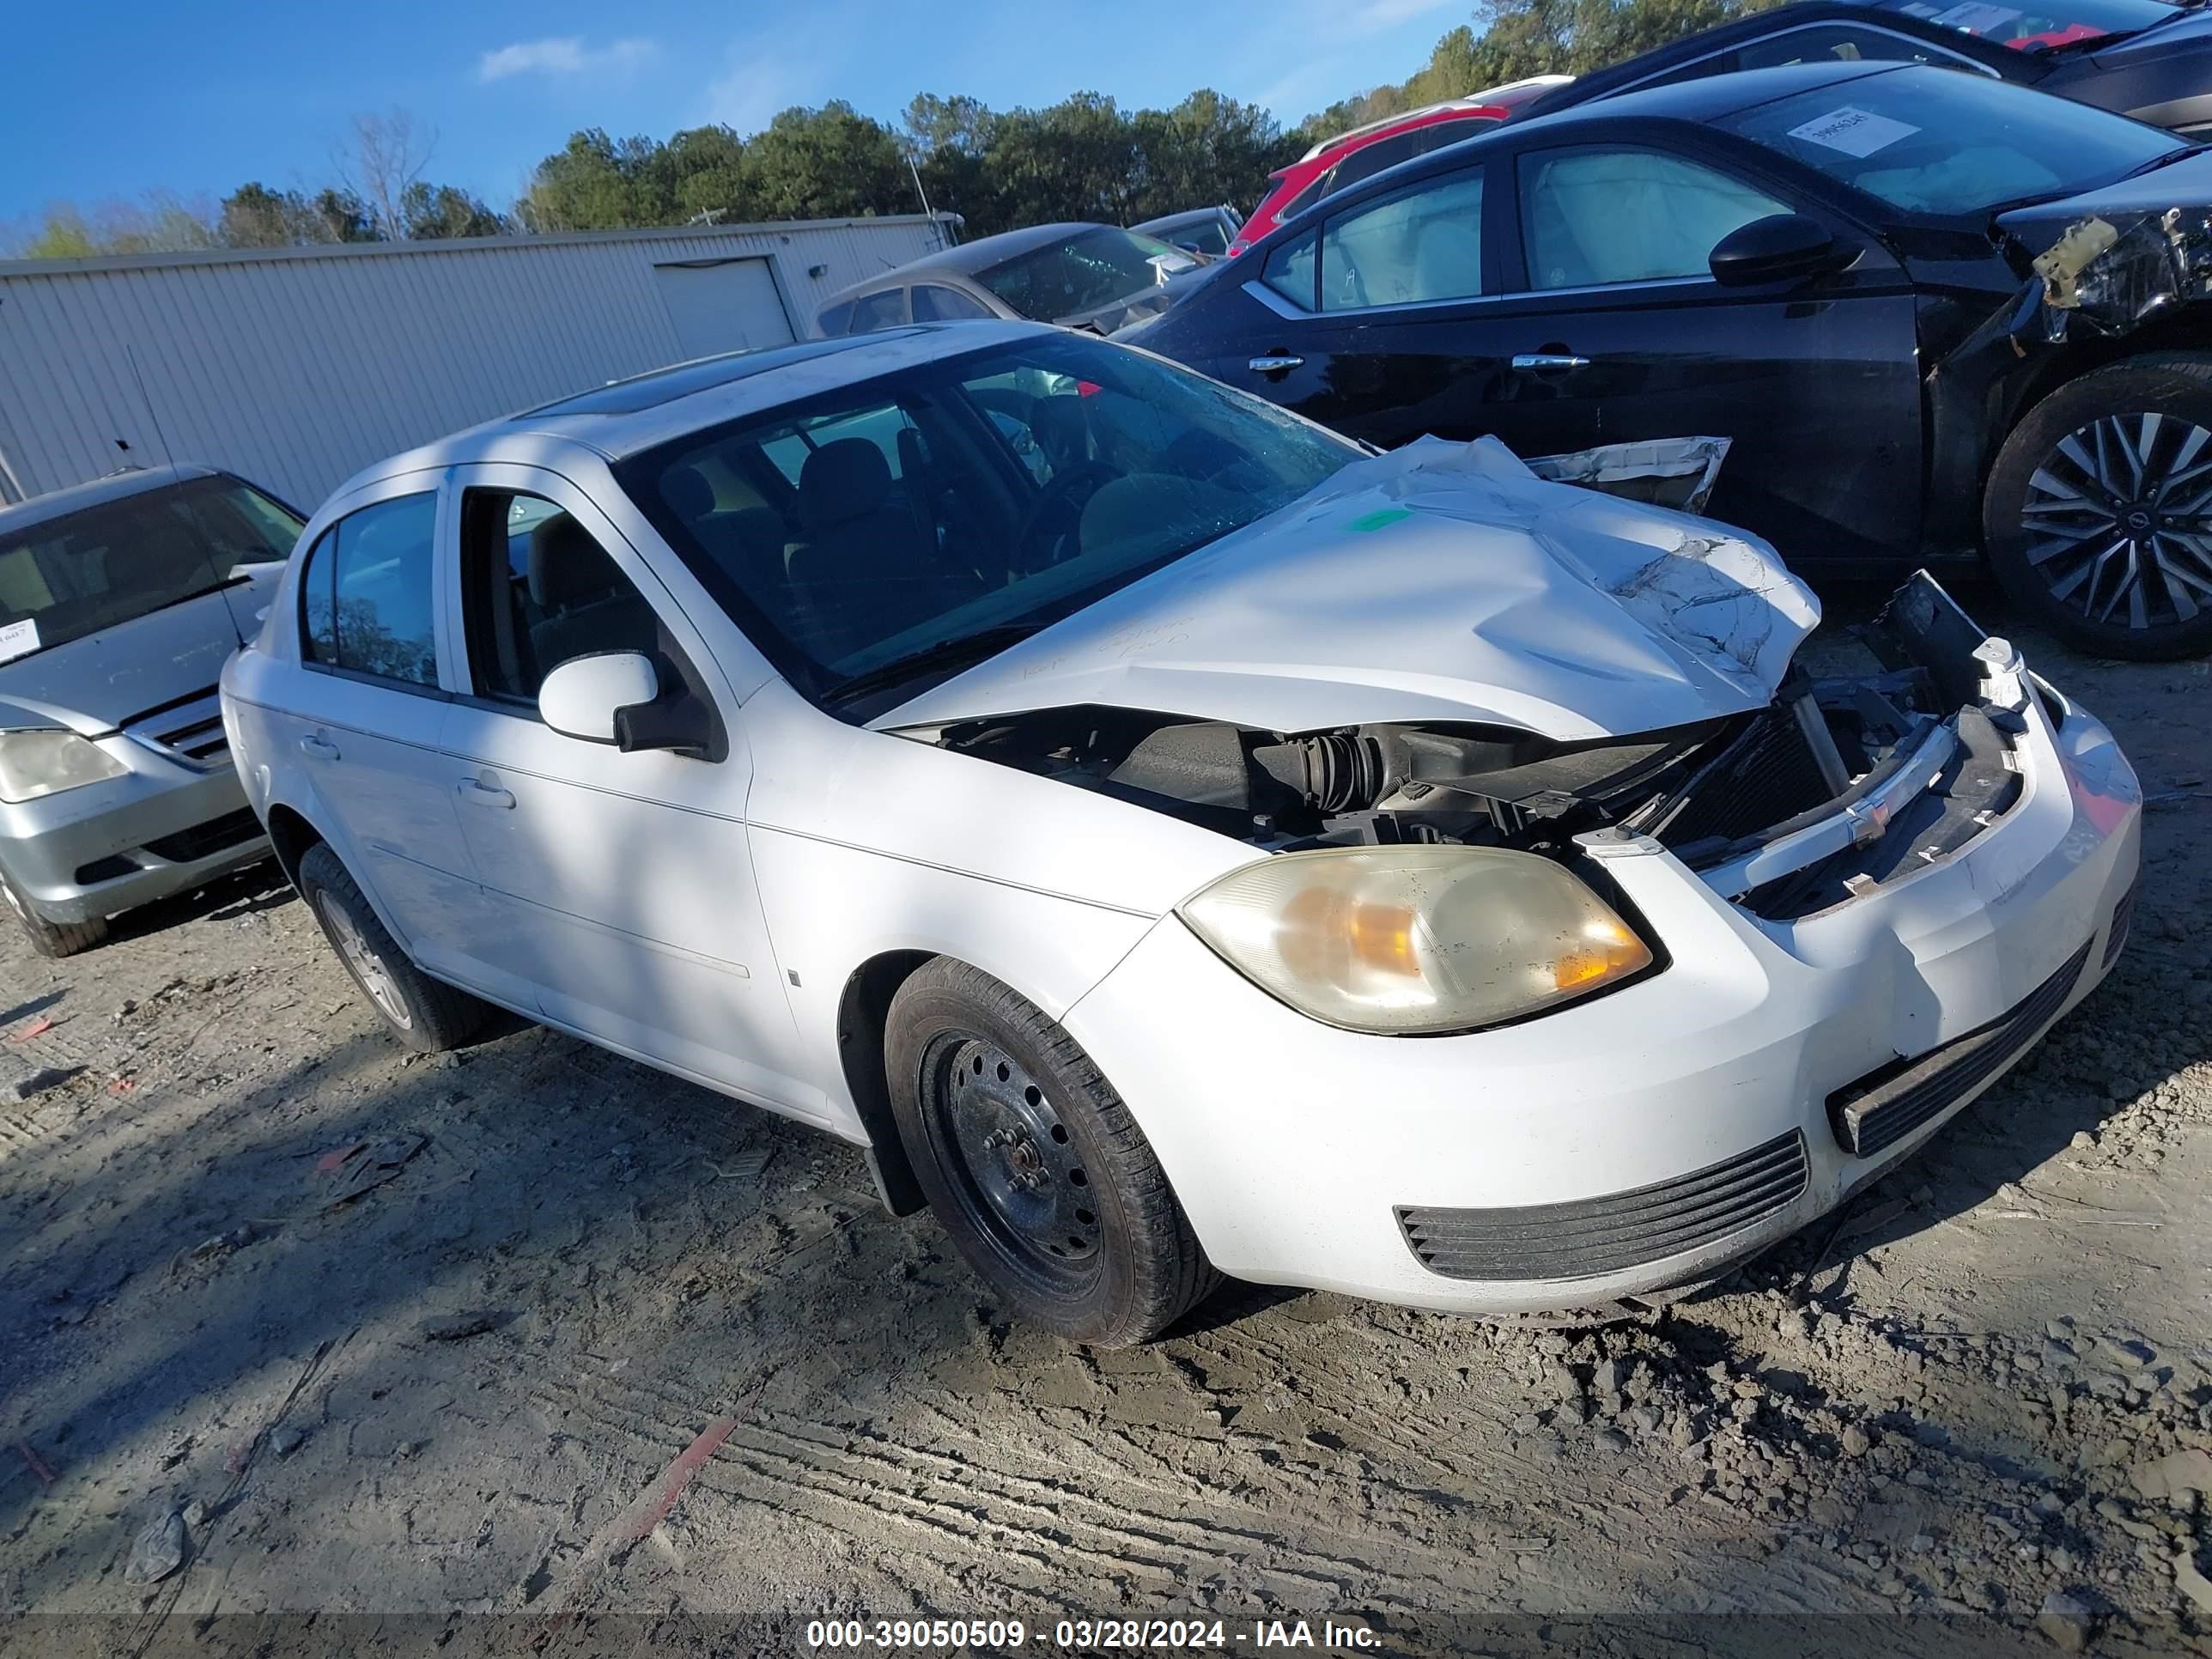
<point>318,622</point>
<point>1290,270</point>
<point>536,589</point>
<point>1593,217</point>
<point>1079,272</point>
<point>2041,26</point>
<point>1931,141</point>
<point>1371,159</point>
<point>381,574</point>
<point>1207,236</point>
<point>885,309</point>
<point>1058,470</point>
<point>836,321</point>
<point>936,304</point>
<point>108,564</point>
<point>1442,134</point>
<point>1415,245</point>
<point>1844,43</point>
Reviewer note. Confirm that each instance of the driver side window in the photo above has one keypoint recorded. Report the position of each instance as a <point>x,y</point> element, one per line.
<point>536,589</point>
<point>1593,217</point>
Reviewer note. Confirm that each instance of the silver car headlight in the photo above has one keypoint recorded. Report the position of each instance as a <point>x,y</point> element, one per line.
<point>46,763</point>
<point>1402,940</point>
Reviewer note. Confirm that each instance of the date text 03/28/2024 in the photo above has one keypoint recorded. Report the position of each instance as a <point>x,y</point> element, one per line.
<point>1089,1635</point>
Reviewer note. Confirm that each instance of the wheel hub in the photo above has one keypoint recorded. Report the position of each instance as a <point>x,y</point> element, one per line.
<point>2119,519</point>
<point>1013,1157</point>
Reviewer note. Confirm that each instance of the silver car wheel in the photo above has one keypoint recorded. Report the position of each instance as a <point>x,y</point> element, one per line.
<point>2119,517</point>
<point>367,967</point>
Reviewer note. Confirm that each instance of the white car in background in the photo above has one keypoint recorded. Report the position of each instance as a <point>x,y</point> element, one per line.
<point>1169,839</point>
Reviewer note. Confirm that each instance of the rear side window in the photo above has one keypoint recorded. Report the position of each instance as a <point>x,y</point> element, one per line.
<point>378,617</point>
<point>319,623</point>
<point>1290,271</point>
<point>1593,217</point>
<point>884,310</point>
<point>934,304</point>
<point>1423,244</point>
<point>1371,159</point>
<point>537,589</point>
<point>836,321</point>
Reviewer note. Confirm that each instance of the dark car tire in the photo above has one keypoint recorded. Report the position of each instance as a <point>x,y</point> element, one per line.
<point>51,938</point>
<point>426,1014</point>
<point>1097,1249</point>
<point>2047,553</point>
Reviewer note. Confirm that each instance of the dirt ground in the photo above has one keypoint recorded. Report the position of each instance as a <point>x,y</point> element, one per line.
<point>446,1414</point>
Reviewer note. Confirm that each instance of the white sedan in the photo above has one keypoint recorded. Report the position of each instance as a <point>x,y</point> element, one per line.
<point>1170,840</point>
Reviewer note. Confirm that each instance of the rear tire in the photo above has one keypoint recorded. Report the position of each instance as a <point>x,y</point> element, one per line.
<point>2097,516</point>
<point>1034,1164</point>
<point>51,938</point>
<point>426,1014</point>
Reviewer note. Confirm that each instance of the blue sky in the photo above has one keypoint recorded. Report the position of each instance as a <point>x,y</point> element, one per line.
<point>113,99</point>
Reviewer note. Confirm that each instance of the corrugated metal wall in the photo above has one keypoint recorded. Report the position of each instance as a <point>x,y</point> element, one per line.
<point>296,368</point>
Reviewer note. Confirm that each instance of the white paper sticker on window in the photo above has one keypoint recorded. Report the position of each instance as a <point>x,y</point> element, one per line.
<point>18,639</point>
<point>1854,131</point>
<point>1977,17</point>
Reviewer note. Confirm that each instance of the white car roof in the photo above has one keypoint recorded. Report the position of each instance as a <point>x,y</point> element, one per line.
<point>624,417</point>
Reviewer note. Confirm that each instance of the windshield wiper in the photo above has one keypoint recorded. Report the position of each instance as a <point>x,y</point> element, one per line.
<point>961,652</point>
<point>200,592</point>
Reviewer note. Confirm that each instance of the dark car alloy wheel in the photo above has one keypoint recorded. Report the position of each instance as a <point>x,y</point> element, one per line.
<point>2119,517</point>
<point>1015,1171</point>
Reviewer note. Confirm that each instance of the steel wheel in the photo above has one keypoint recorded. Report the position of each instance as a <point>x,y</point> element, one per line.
<point>2119,520</point>
<point>361,960</point>
<point>1016,1168</point>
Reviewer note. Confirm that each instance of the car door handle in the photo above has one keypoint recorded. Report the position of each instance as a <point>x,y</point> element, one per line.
<point>319,749</point>
<point>1549,362</point>
<point>1275,363</point>
<point>483,794</point>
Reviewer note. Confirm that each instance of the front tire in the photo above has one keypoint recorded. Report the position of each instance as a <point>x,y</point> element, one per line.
<point>2097,516</point>
<point>1034,1164</point>
<point>52,939</point>
<point>426,1014</point>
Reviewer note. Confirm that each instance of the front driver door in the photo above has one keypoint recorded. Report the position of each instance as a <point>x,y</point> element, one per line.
<point>1614,330</point>
<point>624,882</point>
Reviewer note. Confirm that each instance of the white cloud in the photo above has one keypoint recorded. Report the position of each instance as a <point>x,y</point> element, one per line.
<point>1378,14</point>
<point>758,85</point>
<point>566,55</point>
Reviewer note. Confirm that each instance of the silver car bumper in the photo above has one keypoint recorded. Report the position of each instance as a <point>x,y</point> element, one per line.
<point>165,827</point>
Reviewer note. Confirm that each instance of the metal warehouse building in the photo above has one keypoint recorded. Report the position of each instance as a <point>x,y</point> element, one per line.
<point>297,367</point>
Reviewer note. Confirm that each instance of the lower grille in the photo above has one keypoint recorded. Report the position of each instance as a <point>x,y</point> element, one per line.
<point>202,840</point>
<point>1766,775</point>
<point>1622,1230</point>
<point>1880,1109</point>
<point>2122,914</point>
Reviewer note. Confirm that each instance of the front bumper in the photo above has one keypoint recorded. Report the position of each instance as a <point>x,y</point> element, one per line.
<point>165,827</point>
<point>1648,1138</point>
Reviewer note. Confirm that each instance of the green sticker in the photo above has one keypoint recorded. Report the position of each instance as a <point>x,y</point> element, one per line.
<point>1377,519</point>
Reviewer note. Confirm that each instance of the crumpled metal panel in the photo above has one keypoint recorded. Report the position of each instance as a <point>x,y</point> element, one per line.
<point>1440,581</point>
<point>1676,472</point>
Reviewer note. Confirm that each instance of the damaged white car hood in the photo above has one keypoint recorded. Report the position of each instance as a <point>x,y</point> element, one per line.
<point>1440,582</point>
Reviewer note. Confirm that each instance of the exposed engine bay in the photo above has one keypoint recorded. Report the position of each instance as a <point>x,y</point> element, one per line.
<point>1835,785</point>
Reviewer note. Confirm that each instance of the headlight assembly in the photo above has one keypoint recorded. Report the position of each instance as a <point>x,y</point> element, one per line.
<point>1404,941</point>
<point>46,763</point>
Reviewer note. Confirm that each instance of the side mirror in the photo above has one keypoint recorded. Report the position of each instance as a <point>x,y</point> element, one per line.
<point>582,697</point>
<point>1779,248</point>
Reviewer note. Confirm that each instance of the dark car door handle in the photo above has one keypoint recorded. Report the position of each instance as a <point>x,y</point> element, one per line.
<point>483,794</point>
<point>319,749</point>
<point>1549,362</point>
<point>1275,363</point>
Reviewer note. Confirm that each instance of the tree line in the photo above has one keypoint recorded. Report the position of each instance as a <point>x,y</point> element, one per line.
<point>1085,158</point>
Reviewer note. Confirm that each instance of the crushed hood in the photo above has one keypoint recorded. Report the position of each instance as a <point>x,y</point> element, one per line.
<point>1440,582</point>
